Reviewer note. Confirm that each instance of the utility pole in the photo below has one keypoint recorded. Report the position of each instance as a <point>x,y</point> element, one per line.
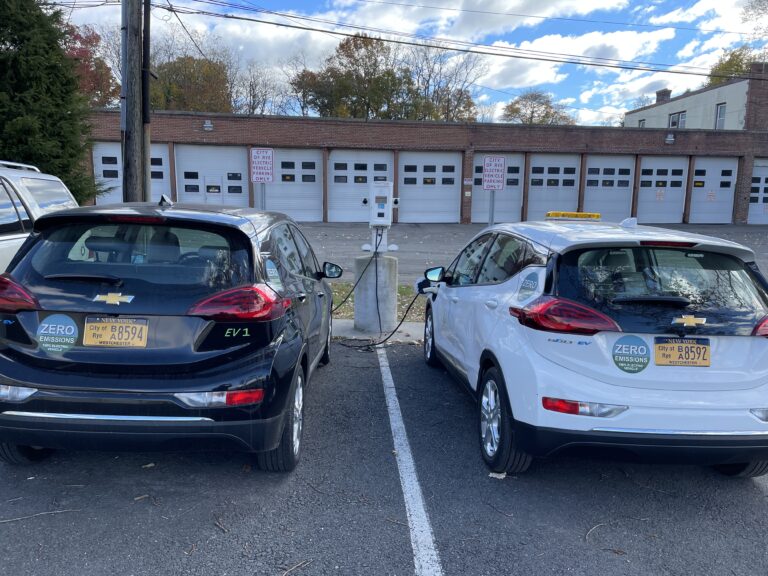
<point>133,144</point>
<point>147,143</point>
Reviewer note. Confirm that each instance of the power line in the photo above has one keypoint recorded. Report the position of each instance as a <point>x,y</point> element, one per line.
<point>560,18</point>
<point>582,59</point>
<point>175,13</point>
<point>489,50</point>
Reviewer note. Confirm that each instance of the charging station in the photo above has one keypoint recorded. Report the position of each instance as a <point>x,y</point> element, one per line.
<point>376,275</point>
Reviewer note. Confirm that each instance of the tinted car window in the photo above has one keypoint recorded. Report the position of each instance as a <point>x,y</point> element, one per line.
<point>50,195</point>
<point>645,289</point>
<point>285,250</point>
<point>9,218</point>
<point>504,260</point>
<point>172,262</point>
<point>464,270</point>
<point>307,256</point>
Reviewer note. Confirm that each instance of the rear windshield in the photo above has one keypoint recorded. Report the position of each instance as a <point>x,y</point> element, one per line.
<point>173,260</point>
<point>50,195</point>
<point>645,289</point>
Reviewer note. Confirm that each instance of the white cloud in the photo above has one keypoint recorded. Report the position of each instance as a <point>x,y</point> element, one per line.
<point>566,101</point>
<point>689,49</point>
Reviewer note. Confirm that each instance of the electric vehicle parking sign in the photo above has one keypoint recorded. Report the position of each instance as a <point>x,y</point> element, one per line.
<point>631,354</point>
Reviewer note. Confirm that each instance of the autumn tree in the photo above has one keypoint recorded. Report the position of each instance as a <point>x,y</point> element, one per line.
<point>97,83</point>
<point>43,117</point>
<point>732,63</point>
<point>192,84</point>
<point>360,79</point>
<point>536,107</point>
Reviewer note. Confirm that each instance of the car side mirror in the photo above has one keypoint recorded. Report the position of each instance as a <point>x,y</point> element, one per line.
<point>435,274</point>
<point>331,270</point>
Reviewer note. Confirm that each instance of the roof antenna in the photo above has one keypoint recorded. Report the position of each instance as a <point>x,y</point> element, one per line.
<point>629,223</point>
<point>165,201</point>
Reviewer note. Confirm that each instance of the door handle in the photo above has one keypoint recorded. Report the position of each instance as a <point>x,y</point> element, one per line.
<point>492,304</point>
<point>454,298</point>
<point>301,296</point>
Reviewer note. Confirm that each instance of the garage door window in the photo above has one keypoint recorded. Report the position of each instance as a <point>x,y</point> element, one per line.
<point>553,170</point>
<point>700,172</point>
<point>677,172</point>
<point>409,181</point>
<point>726,173</point>
<point>379,167</point>
<point>409,168</point>
<point>340,166</point>
<point>235,189</point>
<point>646,172</point>
<point>593,170</point>
<point>449,168</point>
<point>288,165</point>
<point>569,182</point>
<point>593,182</point>
<point>646,183</point>
<point>109,159</point>
<point>430,168</point>
<point>307,177</point>
<point>661,183</point>
<point>379,178</point>
<point>191,176</point>
<point>156,161</point>
<point>234,176</point>
<point>478,181</point>
<point>361,179</point>
<point>340,179</point>
<point>478,169</point>
<point>156,174</point>
<point>361,167</point>
<point>623,171</point>
<point>289,178</point>
<point>623,183</point>
<point>537,182</point>
<point>109,174</point>
<point>608,183</point>
<point>570,170</point>
<point>553,182</point>
<point>447,181</point>
<point>513,181</point>
<point>429,181</point>
<point>725,184</point>
<point>213,189</point>
<point>513,169</point>
<point>609,171</point>
<point>191,188</point>
<point>307,165</point>
<point>537,170</point>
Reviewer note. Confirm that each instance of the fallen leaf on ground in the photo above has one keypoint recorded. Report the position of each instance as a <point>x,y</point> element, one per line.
<point>497,475</point>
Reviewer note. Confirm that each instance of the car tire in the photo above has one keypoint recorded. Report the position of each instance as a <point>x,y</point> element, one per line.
<point>19,455</point>
<point>745,470</point>
<point>286,456</point>
<point>496,427</point>
<point>325,359</point>
<point>430,355</point>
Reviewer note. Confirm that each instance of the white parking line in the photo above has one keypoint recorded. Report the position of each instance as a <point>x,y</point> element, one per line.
<point>425,558</point>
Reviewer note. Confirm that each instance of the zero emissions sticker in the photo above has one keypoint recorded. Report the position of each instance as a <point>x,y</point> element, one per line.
<point>631,354</point>
<point>57,333</point>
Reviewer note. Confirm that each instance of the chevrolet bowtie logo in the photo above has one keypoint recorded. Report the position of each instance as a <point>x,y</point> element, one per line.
<point>113,298</point>
<point>689,321</point>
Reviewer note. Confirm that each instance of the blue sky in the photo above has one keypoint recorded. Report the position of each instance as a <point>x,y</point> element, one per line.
<point>595,95</point>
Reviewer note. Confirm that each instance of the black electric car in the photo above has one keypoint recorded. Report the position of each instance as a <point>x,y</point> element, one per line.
<point>161,326</point>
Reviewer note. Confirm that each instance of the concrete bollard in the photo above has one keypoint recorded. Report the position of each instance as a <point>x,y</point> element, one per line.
<point>366,317</point>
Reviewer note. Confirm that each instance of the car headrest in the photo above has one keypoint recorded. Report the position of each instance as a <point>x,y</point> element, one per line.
<point>105,244</point>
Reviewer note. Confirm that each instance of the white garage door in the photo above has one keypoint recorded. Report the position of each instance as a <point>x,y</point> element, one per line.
<point>108,169</point>
<point>553,184</point>
<point>714,181</point>
<point>507,202</point>
<point>212,174</point>
<point>758,193</point>
<point>297,186</point>
<point>608,186</point>
<point>430,186</point>
<point>661,196</point>
<point>350,175</point>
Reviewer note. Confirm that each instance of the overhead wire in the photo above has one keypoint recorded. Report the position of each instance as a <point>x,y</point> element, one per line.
<point>175,12</point>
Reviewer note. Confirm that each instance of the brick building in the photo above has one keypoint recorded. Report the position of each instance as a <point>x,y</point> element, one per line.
<point>323,167</point>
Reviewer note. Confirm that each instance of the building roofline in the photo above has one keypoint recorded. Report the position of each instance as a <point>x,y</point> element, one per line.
<point>688,94</point>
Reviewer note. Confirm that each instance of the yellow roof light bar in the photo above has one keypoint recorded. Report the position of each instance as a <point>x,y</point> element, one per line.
<point>554,215</point>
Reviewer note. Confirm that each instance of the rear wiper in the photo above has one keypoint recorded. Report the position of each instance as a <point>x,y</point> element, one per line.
<point>106,278</point>
<point>653,299</point>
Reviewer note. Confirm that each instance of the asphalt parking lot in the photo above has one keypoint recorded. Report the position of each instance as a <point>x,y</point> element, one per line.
<point>343,510</point>
<point>356,507</point>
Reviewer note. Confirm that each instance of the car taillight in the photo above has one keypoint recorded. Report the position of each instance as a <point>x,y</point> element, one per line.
<point>594,409</point>
<point>257,302</point>
<point>762,328</point>
<point>561,315</point>
<point>14,297</point>
<point>218,399</point>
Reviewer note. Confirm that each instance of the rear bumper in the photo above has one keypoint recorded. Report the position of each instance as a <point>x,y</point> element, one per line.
<point>98,432</point>
<point>707,449</point>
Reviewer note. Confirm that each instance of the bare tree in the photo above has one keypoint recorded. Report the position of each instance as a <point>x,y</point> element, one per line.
<point>261,91</point>
<point>755,12</point>
<point>486,112</point>
<point>445,82</point>
<point>109,48</point>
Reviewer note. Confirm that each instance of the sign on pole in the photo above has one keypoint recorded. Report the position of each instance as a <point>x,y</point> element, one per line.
<point>261,164</point>
<point>493,172</point>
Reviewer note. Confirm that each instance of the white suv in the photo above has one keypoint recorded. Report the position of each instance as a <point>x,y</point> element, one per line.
<point>626,338</point>
<point>25,195</point>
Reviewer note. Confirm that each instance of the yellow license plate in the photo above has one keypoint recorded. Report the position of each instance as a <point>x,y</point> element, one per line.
<point>692,352</point>
<point>116,332</point>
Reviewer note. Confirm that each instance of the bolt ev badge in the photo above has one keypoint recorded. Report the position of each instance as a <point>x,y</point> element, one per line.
<point>113,298</point>
<point>689,321</point>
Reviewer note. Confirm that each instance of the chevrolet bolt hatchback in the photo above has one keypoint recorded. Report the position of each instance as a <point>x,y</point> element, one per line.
<point>173,327</point>
<point>625,338</point>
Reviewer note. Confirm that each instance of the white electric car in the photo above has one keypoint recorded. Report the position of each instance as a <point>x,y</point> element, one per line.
<point>584,334</point>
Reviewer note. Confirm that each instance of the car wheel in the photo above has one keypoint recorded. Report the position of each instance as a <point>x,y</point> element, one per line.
<point>430,357</point>
<point>497,438</point>
<point>746,470</point>
<point>326,357</point>
<point>285,457</point>
<point>16,455</point>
